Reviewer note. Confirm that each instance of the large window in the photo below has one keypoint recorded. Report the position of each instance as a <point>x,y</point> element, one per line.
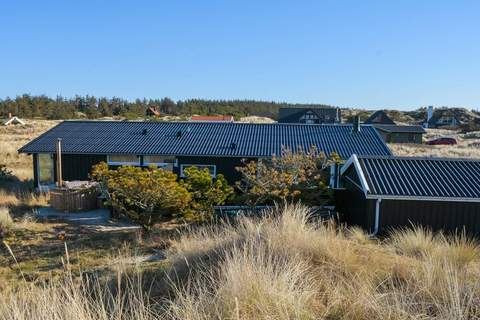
<point>45,169</point>
<point>123,160</point>
<point>211,168</point>
<point>164,162</point>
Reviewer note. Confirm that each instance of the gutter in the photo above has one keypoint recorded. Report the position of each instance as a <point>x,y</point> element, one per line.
<point>377,217</point>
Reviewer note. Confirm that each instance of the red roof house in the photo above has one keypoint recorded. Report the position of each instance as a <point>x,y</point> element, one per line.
<point>218,118</point>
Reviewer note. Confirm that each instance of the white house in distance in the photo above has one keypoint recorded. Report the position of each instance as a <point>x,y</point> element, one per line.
<point>13,120</point>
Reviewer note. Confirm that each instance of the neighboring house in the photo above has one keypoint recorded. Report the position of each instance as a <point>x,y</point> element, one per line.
<point>220,147</point>
<point>13,120</point>
<point>400,134</point>
<point>379,117</point>
<point>309,115</point>
<point>218,118</point>
<point>440,118</point>
<point>153,112</point>
<point>380,193</point>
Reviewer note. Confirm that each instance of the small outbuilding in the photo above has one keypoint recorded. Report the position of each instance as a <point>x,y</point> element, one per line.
<point>382,193</point>
<point>393,133</point>
<point>311,115</point>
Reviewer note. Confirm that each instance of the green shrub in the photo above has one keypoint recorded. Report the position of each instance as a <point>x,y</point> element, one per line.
<point>301,175</point>
<point>144,195</point>
<point>206,192</point>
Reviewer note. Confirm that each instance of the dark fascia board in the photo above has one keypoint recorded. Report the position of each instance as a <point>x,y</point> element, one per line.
<point>419,158</point>
<point>417,198</point>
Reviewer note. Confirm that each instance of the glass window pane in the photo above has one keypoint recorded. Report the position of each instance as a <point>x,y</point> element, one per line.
<point>158,159</point>
<point>45,168</point>
<point>123,159</point>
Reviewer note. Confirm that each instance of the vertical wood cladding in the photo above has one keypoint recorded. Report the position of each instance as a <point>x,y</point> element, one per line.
<point>448,216</point>
<point>225,166</point>
<point>437,215</point>
<point>78,166</point>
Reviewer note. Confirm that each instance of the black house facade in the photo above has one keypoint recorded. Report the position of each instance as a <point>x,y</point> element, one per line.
<point>400,134</point>
<point>383,193</point>
<point>327,115</point>
<point>220,147</point>
<point>379,117</point>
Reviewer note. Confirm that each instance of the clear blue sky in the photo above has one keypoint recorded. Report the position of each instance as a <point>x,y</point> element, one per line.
<point>390,54</point>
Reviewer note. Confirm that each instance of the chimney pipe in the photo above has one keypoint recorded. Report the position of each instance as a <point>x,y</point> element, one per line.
<point>356,124</point>
<point>59,163</point>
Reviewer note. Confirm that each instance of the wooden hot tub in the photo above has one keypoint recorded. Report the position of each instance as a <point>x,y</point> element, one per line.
<point>74,196</point>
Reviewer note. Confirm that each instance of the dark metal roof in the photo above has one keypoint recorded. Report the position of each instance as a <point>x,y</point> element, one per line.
<point>379,117</point>
<point>399,129</point>
<point>421,177</point>
<point>205,139</point>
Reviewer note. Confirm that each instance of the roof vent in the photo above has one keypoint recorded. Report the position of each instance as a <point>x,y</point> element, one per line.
<point>233,146</point>
<point>144,132</point>
<point>179,134</point>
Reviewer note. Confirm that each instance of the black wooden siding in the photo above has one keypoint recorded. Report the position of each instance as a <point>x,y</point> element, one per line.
<point>448,216</point>
<point>401,137</point>
<point>35,169</point>
<point>354,209</point>
<point>437,215</point>
<point>225,166</point>
<point>77,166</point>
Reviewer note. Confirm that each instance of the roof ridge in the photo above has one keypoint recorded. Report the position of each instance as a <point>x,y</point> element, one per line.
<point>217,123</point>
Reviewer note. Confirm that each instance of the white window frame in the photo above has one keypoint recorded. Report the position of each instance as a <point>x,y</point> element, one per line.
<point>199,166</point>
<point>160,164</point>
<point>114,163</point>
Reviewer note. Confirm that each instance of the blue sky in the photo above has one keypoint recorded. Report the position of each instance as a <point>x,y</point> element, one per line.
<point>372,54</point>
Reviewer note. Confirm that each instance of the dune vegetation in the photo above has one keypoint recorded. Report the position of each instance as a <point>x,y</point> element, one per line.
<point>283,265</point>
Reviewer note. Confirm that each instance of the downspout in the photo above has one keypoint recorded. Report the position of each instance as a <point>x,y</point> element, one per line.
<point>377,216</point>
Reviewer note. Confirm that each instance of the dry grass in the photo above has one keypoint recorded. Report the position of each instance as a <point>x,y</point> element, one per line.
<point>468,146</point>
<point>282,266</point>
<point>14,137</point>
<point>6,221</point>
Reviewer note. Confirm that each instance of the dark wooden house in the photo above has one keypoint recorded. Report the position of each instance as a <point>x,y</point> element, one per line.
<point>393,133</point>
<point>309,115</point>
<point>220,147</point>
<point>381,193</point>
<point>379,117</point>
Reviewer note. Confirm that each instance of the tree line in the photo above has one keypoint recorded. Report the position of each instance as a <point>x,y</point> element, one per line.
<point>91,107</point>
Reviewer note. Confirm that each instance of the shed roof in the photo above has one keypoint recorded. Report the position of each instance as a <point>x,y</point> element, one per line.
<point>399,129</point>
<point>411,178</point>
<point>205,139</point>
